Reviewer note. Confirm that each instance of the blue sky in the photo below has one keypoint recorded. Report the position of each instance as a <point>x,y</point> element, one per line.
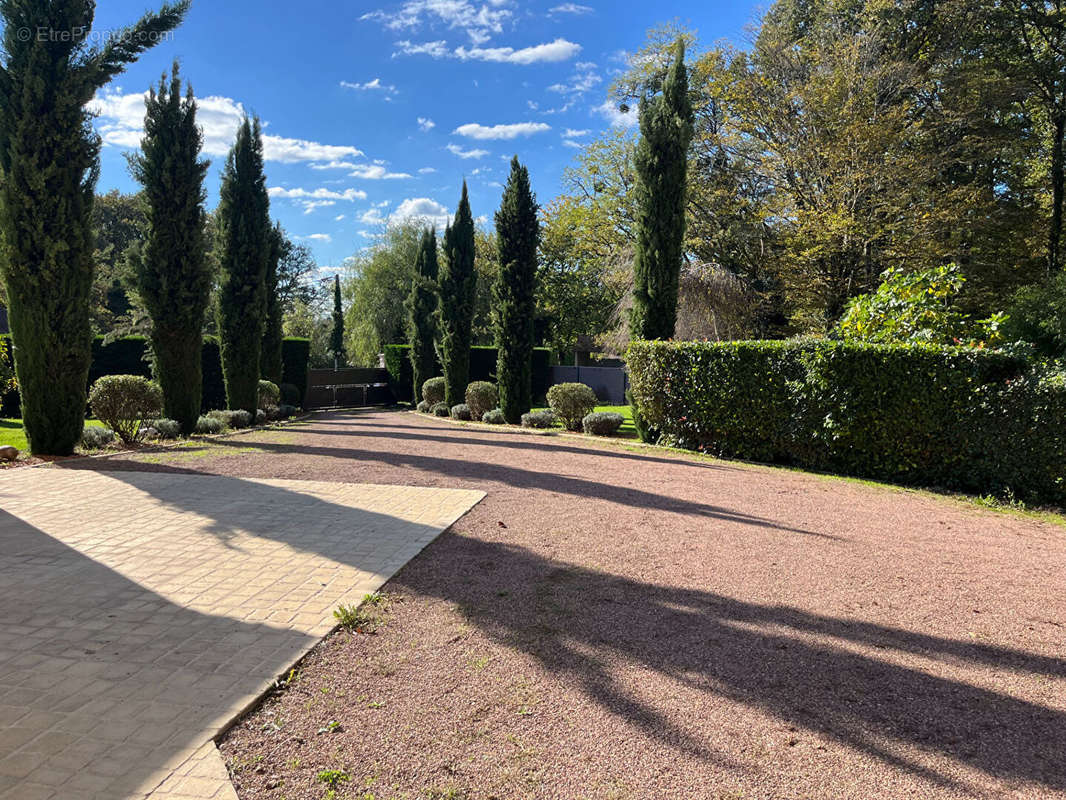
<point>377,111</point>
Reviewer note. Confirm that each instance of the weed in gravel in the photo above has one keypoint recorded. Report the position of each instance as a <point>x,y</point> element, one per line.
<point>366,617</point>
<point>446,793</point>
<point>333,777</point>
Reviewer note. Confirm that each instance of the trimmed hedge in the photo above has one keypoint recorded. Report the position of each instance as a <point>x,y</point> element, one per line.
<point>482,368</point>
<point>126,356</point>
<point>958,418</point>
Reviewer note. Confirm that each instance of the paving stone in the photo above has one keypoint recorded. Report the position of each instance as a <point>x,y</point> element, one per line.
<point>144,611</point>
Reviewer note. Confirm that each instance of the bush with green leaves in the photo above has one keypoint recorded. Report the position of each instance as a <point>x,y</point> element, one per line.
<point>481,396</point>
<point>538,419</point>
<point>441,410</point>
<point>494,417</point>
<point>571,402</point>
<point>424,407</point>
<point>208,425</point>
<point>123,402</point>
<point>602,424</point>
<point>433,391</point>
<point>286,411</point>
<point>1037,315</point>
<point>461,412</point>
<point>96,438</point>
<point>269,395</point>
<point>967,419</point>
<point>261,416</point>
<point>166,428</point>
<point>290,395</point>
<point>232,419</point>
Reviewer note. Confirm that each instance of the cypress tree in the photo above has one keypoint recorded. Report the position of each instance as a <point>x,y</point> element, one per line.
<point>661,160</point>
<point>458,293</point>
<point>336,337</point>
<point>171,270</point>
<point>421,312</point>
<point>270,361</point>
<point>50,160</point>
<point>517,236</point>
<point>244,248</point>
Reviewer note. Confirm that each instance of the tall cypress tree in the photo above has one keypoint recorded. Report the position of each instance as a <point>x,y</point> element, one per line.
<point>171,270</point>
<point>421,312</point>
<point>244,248</point>
<point>666,127</point>
<point>270,361</point>
<point>517,237</point>
<point>336,337</point>
<point>50,160</point>
<point>458,293</point>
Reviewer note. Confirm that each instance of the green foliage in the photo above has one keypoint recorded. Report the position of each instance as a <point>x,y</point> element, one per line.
<point>917,307</point>
<point>441,410</point>
<point>959,418</point>
<point>7,374</point>
<point>458,292</point>
<point>422,310</point>
<point>538,419</point>
<point>93,438</point>
<point>518,237</point>
<point>433,391</point>
<point>271,364</point>
<point>483,363</point>
<point>423,407</point>
<point>336,337</point>
<point>481,396</point>
<point>604,423</point>
<point>571,402</point>
<point>166,428</point>
<point>461,412</point>
<point>269,395</point>
<point>123,402</point>
<point>233,418</point>
<point>494,417</point>
<point>244,243</point>
<point>49,157</point>
<point>1037,315</point>
<point>666,127</point>
<point>208,426</point>
<point>172,274</point>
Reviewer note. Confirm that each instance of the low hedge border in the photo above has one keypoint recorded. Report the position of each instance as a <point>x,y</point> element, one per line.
<point>482,368</point>
<point>964,419</point>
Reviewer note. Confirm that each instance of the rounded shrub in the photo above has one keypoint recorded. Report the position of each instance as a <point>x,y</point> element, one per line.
<point>602,424</point>
<point>481,397</point>
<point>207,425</point>
<point>122,402</point>
<point>572,402</point>
<point>433,391</point>
<point>269,395</point>
<point>494,417</point>
<point>261,416</point>
<point>424,407</point>
<point>232,419</point>
<point>441,410</point>
<point>166,428</point>
<point>538,419</point>
<point>461,411</point>
<point>285,411</point>
<point>96,438</point>
<point>290,395</point>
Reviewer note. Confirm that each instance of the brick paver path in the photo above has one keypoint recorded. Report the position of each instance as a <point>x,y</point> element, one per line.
<point>141,612</point>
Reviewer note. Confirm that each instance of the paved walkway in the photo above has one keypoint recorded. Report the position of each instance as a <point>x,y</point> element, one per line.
<point>143,611</point>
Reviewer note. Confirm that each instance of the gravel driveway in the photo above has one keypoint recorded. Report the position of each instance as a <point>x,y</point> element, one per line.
<point>617,623</point>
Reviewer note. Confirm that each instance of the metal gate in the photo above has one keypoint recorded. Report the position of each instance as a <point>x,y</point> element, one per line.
<point>347,388</point>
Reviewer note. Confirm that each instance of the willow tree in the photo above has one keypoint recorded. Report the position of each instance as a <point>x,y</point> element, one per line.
<point>458,296</point>
<point>421,312</point>
<point>661,159</point>
<point>171,270</point>
<point>517,236</point>
<point>244,249</point>
<point>50,159</point>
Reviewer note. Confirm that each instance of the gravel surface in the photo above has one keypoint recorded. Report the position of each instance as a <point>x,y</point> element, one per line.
<point>613,623</point>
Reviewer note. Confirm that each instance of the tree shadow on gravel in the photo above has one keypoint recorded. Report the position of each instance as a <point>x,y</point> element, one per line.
<point>481,472</point>
<point>800,667</point>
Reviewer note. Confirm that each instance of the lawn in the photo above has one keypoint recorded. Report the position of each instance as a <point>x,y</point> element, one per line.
<point>12,433</point>
<point>627,429</point>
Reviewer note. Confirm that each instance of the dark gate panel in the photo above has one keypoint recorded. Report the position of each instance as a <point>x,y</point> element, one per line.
<point>347,388</point>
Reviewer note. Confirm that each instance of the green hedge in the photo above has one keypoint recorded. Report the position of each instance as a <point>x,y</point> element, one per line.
<point>126,356</point>
<point>958,418</point>
<point>482,368</point>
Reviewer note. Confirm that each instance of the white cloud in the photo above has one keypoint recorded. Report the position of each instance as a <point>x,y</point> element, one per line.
<point>425,124</point>
<point>558,50</point>
<point>427,170</point>
<point>372,217</point>
<point>571,8</point>
<point>572,134</point>
<point>478,23</point>
<point>320,237</point>
<point>572,143</point>
<point>371,86</point>
<point>421,209</point>
<point>579,83</point>
<point>473,130</point>
<point>614,115</point>
<point>376,172</point>
<point>120,120</point>
<point>317,194</point>
<point>457,150</point>
<point>339,218</point>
